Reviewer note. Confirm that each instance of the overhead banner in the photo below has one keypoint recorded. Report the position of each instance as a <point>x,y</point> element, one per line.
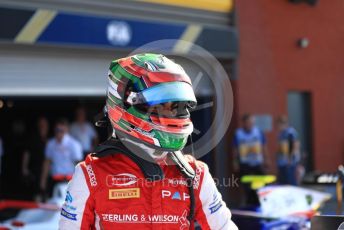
<point>42,26</point>
<point>224,6</point>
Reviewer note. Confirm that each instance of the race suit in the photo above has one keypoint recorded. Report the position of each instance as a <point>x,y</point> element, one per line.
<point>111,193</point>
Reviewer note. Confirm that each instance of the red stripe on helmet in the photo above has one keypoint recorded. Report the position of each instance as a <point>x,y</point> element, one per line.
<point>172,125</point>
<point>151,77</point>
<point>115,113</point>
<point>161,77</point>
<point>142,137</point>
<point>138,122</point>
<point>135,133</point>
<point>132,68</point>
<point>176,122</point>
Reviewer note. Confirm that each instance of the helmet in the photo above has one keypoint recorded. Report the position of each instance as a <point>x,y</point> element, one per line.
<point>148,100</point>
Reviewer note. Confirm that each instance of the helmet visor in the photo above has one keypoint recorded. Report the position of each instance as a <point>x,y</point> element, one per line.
<point>165,92</point>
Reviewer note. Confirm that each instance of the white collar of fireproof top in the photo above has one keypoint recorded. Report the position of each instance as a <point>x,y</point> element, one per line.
<point>146,149</point>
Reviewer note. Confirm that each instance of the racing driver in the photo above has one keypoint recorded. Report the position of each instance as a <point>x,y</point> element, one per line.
<point>139,178</point>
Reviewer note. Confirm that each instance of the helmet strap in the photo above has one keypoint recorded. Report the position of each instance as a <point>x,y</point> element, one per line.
<point>189,173</point>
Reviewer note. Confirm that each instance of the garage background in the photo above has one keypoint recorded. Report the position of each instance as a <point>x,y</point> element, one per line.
<point>54,56</point>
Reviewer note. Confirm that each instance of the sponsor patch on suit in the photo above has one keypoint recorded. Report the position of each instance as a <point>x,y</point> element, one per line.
<point>115,194</point>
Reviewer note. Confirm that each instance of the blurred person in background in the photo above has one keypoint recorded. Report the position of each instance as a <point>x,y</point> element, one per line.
<point>250,153</point>
<point>84,132</point>
<point>33,157</point>
<point>1,153</point>
<point>288,154</point>
<point>11,165</point>
<point>62,152</point>
<point>250,149</point>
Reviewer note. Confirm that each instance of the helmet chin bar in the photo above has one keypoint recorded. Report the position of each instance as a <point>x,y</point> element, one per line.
<point>120,135</point>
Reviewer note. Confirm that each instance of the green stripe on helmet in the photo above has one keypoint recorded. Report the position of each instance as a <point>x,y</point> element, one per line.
<point>114,100</point>
<point>115,79</point>
<point>141,59</point>
<point>170,141</point>
<point>132,110</point>
<point>113,64</point>
<point>119,72</point>
<point>124,125</point>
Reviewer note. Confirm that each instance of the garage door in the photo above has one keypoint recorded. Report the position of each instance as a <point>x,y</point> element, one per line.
<point>35,71</point>
<point>48,71</point>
